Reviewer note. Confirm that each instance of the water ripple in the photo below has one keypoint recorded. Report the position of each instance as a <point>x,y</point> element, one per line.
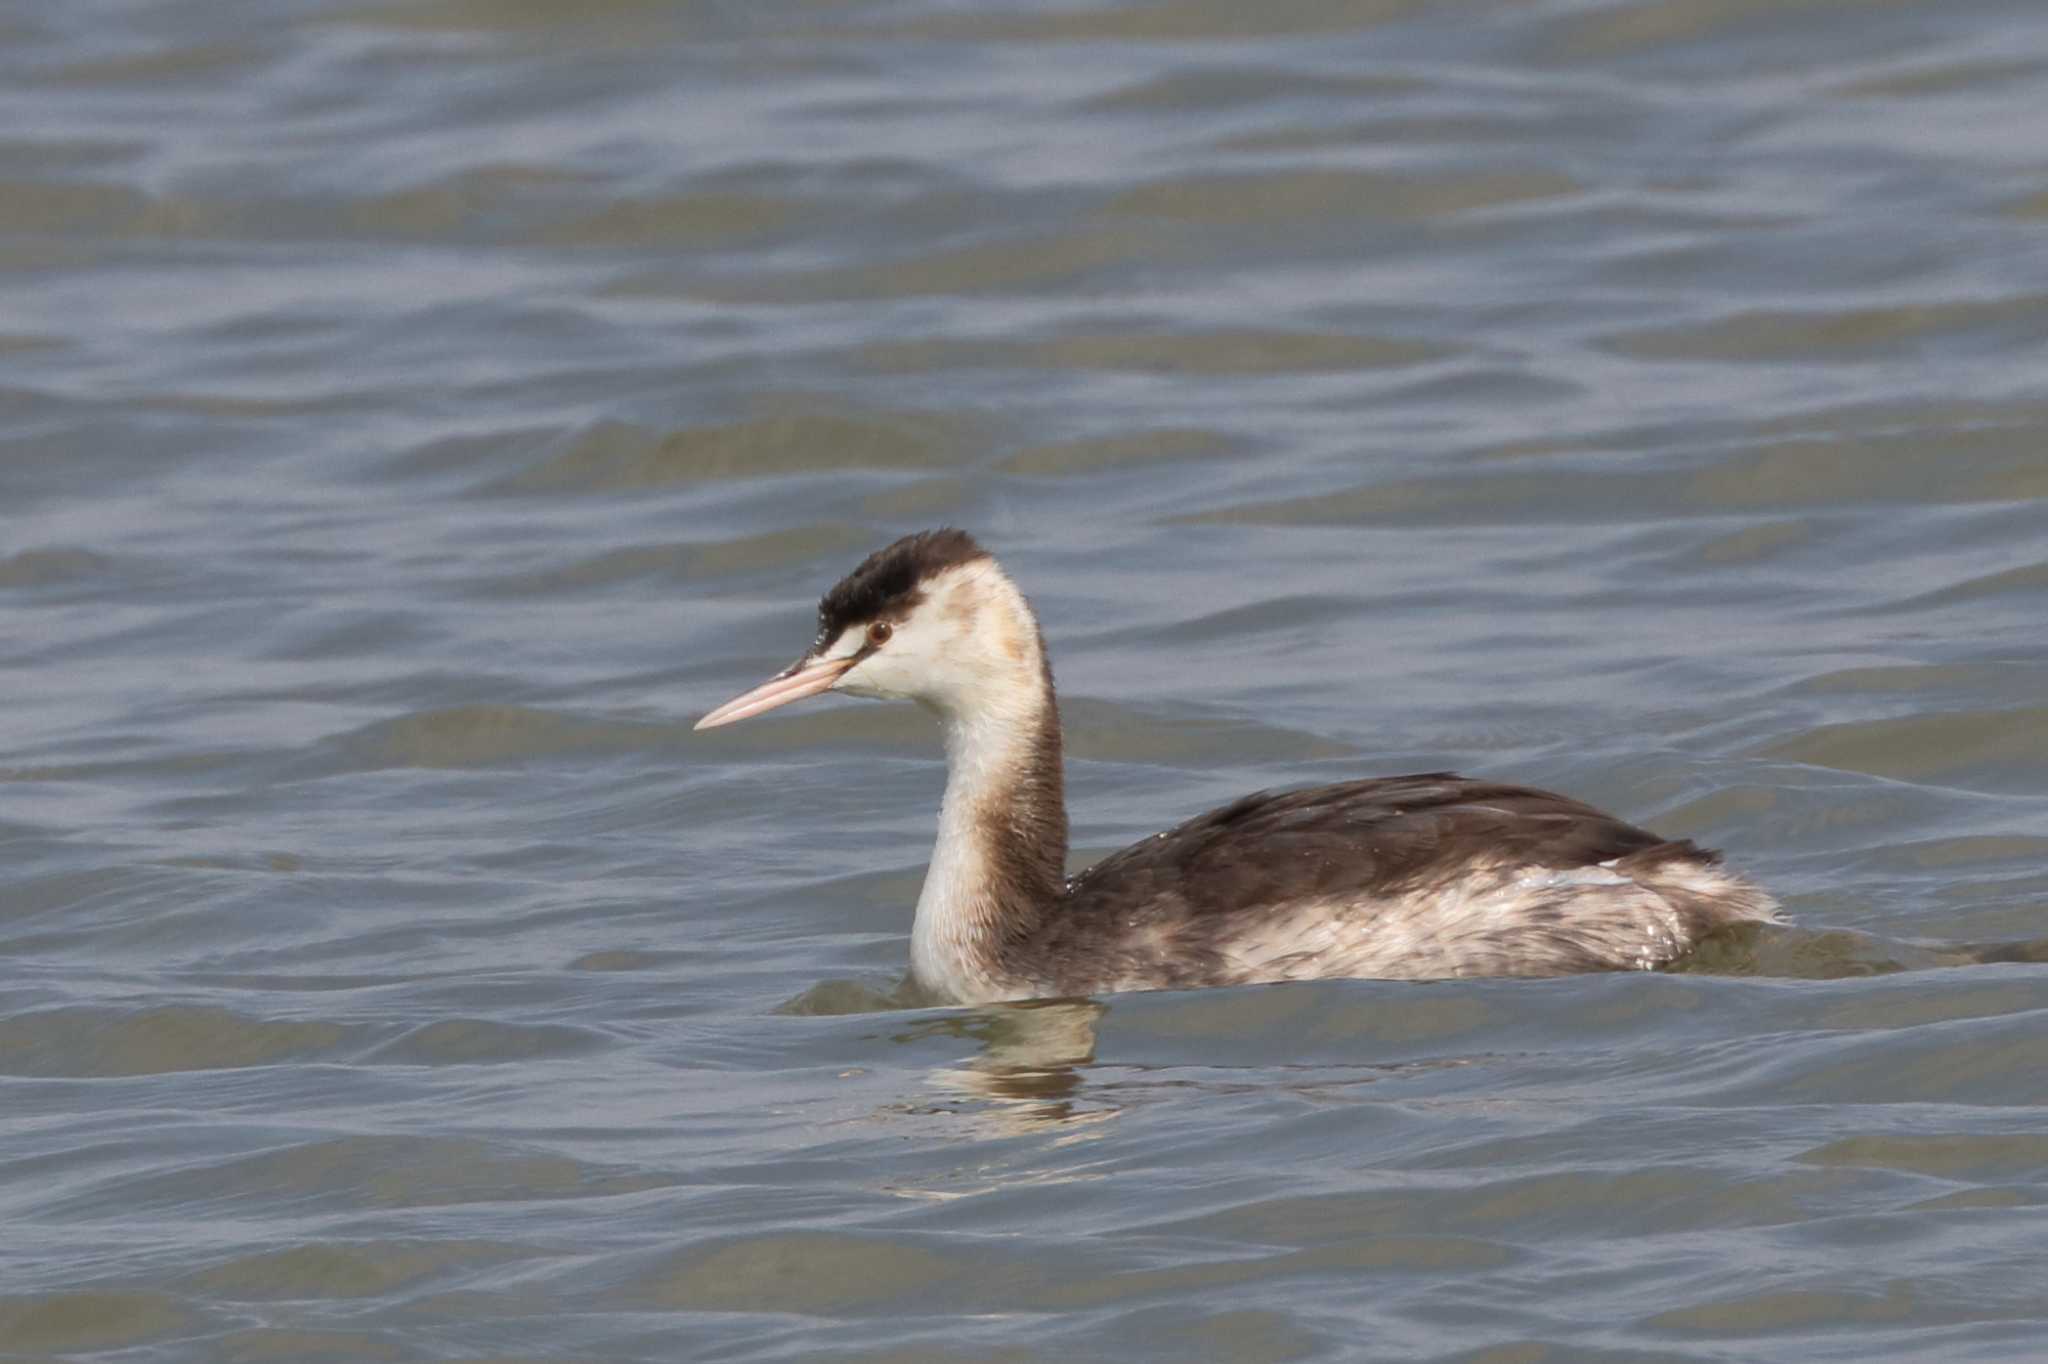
<point>415,415</point>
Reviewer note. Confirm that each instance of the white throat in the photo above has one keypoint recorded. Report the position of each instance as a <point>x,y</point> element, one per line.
<point>956,938</point>
<point>998,866</point>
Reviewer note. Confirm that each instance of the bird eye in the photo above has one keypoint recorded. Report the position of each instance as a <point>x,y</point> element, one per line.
<point>879,632</point>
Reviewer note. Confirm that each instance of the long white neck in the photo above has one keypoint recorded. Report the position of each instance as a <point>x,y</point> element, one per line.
<point>999,866</point>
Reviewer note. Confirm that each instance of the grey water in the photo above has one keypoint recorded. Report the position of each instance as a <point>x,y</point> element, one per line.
<point>414,413</point>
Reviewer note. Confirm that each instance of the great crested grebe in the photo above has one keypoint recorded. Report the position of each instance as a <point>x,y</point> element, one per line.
<point>1412,877</point>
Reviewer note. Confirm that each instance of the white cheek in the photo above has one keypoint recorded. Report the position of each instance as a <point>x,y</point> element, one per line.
<point>912,664</point>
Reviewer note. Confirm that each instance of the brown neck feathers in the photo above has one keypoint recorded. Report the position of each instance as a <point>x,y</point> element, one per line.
<point>1025,826</point>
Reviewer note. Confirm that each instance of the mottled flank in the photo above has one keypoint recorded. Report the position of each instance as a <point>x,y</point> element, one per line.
<point>1403,877</point>
<point>1410,877</point>
<point>886,582</point>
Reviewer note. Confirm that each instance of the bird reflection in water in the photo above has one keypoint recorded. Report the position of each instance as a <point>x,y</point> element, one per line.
<point>1037,1068</point>
<point>1031,1060</point>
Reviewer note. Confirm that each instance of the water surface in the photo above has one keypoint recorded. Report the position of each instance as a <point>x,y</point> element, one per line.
<point>413,415</point>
